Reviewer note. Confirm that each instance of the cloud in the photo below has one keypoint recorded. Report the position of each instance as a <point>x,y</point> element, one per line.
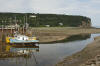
<point>14,6</point>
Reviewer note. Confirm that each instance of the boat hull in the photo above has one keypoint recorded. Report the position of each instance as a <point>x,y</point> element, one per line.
<point>23,41</point>
<point>10,40</point>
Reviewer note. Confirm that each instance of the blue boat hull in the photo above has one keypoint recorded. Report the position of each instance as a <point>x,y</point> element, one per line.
<point>23,41</point>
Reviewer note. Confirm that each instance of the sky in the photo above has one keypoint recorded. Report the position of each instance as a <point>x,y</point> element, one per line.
<point>89,8</point>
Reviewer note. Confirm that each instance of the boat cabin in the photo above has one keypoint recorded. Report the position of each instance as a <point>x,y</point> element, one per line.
<point>21,37</point>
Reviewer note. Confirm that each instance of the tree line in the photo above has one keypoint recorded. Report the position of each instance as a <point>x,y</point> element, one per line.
<point>42,20</point>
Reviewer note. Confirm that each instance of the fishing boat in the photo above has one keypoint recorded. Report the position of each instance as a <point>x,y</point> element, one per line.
<point>21,39</point>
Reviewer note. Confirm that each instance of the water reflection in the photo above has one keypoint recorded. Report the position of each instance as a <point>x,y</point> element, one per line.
<point>22,49</point>
<point>78,37</point>
<point>42,54</point>
<point>74,38</point>
<point>18,52</point>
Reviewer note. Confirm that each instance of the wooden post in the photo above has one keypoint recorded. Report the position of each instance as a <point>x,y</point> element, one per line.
<point>2,26</point>
<point>11,24</point>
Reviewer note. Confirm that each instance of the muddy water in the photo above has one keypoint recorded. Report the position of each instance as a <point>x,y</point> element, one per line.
<point>42,54</point>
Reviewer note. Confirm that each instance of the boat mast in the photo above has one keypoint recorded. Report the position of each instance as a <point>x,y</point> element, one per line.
<point>23,24</point>
<point>26,23</point>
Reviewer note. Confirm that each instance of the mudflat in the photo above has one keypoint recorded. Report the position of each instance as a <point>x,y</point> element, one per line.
<point>51,34</point>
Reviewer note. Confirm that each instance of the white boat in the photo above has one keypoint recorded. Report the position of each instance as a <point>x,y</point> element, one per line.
<point>21,39</point>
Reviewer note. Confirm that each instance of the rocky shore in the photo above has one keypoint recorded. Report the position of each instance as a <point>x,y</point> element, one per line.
<point>89,56</point>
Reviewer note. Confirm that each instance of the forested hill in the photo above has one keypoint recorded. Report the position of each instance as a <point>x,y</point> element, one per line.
<point>42,20</point>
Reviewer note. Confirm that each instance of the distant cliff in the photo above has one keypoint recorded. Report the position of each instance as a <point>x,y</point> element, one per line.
<point>42,20</point>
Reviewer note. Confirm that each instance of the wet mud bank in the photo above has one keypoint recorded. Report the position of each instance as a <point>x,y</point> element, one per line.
<point>87,57</point>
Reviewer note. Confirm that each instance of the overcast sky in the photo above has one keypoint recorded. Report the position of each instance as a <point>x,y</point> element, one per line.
<point>90,8</point>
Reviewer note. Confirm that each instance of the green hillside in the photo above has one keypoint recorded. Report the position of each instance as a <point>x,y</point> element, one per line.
<point>41,20</point>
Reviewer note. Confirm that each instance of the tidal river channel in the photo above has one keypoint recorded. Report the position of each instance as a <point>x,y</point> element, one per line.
<point>43,54</point>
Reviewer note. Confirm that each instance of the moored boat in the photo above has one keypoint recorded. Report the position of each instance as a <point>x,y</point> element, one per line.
<point>18,39</point>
